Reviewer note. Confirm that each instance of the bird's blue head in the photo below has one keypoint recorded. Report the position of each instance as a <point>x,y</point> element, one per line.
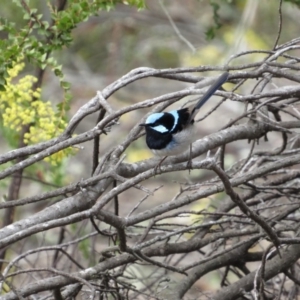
<point>160,127</point>
<point>167,122</point>
<point>156,122</point>
<point>162,122</point>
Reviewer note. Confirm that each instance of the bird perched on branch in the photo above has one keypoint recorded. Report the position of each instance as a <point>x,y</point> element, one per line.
<point>171,133</point>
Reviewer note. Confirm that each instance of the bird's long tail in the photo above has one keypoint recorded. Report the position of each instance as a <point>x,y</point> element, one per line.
<point>222,79</point>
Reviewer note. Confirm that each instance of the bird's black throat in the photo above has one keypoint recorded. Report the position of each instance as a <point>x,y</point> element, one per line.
<point>156,140</point>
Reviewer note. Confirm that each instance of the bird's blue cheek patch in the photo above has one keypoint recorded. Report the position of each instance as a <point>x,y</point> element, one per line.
<point>160,128</point>
<point>153,118</point>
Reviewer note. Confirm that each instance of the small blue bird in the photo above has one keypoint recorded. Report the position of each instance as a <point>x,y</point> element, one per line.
<point>171,133</point>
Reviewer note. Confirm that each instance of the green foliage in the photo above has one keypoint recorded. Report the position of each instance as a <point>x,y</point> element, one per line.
<point>296,2</point>
<point>21,105</point>
<point>32,35</point>
<point>35,38</point>
<point>140,4</point>
<point>211,31</point>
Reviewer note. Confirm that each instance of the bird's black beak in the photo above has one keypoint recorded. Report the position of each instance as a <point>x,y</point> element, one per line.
<point>143,125</point>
